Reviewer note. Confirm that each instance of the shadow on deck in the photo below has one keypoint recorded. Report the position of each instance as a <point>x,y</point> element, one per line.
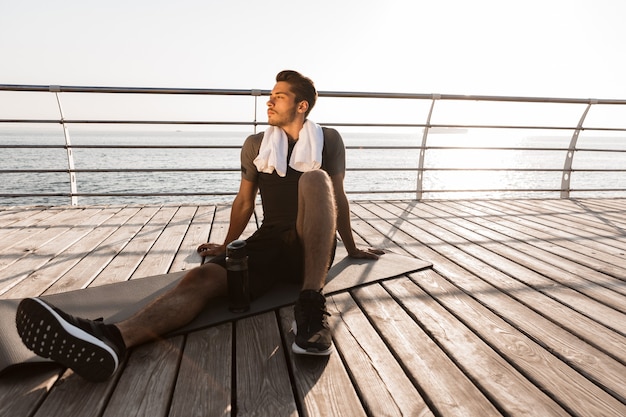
<point>523,313</point>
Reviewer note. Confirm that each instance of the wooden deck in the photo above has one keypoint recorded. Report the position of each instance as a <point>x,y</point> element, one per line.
<point>523,313</point>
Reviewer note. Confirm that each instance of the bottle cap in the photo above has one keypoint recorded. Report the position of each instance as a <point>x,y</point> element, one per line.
<point>236,249</point>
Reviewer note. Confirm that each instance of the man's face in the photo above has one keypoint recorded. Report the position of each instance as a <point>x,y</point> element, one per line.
<point>281,107</point>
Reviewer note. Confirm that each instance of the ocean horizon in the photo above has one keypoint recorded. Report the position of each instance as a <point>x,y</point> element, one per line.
<point>400,155</point>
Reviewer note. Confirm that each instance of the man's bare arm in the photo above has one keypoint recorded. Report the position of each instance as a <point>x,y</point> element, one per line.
<point>344,226</point>
<point>241,211</point>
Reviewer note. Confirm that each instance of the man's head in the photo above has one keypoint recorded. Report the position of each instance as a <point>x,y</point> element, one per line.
<point>301,86</point>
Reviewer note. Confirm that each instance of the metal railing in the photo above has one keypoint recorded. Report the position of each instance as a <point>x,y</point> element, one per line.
<point>423,148</point>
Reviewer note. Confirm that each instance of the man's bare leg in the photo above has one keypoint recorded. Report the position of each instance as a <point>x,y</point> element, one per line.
<point>177,307</point>
<point>94,349</point>
<point>316,225</point>
<point>316,229</point>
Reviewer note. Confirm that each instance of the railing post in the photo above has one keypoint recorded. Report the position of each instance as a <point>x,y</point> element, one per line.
<point>68,148</point>
<point>566,177</point>
<point>420,167</point>
<point>256,94</point>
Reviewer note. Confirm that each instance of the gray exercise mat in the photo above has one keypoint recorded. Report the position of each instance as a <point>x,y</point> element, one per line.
<point>115,302</point>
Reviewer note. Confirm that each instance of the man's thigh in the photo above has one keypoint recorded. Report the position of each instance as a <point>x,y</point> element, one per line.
<point>274,256</point>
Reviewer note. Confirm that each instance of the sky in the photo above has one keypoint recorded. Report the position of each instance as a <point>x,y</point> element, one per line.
<point>546,48</point>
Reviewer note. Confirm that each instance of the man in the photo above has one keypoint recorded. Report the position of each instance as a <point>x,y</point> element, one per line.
<point>295,243</point>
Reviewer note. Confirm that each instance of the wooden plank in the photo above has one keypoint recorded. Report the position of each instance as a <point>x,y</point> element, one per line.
<point>586,250</point>
<point>604,209</point>
<point>595,222</point>
<point>603,369</point>
<point>129,222</point>
<point>9,215</point>
<point>593,275</point>
<point>73,396</point>
<point>599,216</point>
<point>124,264</point>
<point>570,220</point>
<point>445,387</point>
<point>263,383</point>
<point>561,246</point>
<point>366,232</point>
<point>159,258</point>
<point>145,387</point>
<point>546,264</point>
<point>557,248</point>
<point>502,383</point>
<point>198,232</point>
<point>523,310</point>
<point>43,278</point>
<point>573,390</point>
<point>380,380</point>
<point>590,358</point>
<point>14,221</point>
<point>203,387</point>
<point>66,236</point>
<point>219,228</point>
<point>482,248</point>
<point>221,222</point>
<point>435,247</point>
<point>22,390</point>
<point>571,213</point>
<point>43,233</point>
<point>322,384</point>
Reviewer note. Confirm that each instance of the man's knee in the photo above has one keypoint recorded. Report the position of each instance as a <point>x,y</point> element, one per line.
<point>316,181</point>
<point>204,279</point>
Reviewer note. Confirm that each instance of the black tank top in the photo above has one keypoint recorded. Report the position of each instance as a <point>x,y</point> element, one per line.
<point>280,194</point>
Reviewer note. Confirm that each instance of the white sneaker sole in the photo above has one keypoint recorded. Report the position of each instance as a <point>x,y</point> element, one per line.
<point>49,335</point>
<point>295,348</point>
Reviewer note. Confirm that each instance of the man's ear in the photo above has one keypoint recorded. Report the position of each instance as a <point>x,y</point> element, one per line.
<point>303,106</point>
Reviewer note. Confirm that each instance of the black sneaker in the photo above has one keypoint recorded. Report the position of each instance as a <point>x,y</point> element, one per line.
<point>313,336</point>
<point>90,348</point>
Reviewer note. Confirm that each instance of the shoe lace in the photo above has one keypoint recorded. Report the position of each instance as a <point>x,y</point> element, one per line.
<point>314,315</point>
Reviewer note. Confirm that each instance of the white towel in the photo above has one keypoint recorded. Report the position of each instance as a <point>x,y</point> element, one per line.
<point>306,155</point>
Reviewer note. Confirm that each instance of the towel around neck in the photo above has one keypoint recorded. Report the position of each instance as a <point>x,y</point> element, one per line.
<point>306,155</point>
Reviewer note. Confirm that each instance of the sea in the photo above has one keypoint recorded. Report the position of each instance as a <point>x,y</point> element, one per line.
<point>381,164</point>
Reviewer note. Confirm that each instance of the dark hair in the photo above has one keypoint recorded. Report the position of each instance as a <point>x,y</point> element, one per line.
<point>301,86</point>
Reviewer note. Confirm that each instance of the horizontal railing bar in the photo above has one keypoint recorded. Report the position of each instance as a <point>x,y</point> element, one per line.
<point>491,148</point>
<point>350,147</point>
<point>123,146</point>
<point>132,90</point>
<point>336,94</point>
<point>516,190</point>
<point>371,169</point>
<point>132,122</point>
<point>488,169</point>
<point>363,125</point>
<point>465,126</point>
<point>229,193</point>
<point>524,190</point>
<point>419,191</point>
<point>485,148</point>
<point>361,169</point>
<point>117,170</point>
<point>459,97</point>
<point>118,194</point>
<point>353,147</point>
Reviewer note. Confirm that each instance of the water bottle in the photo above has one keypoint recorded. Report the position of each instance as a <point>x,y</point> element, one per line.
<point>237,276</point>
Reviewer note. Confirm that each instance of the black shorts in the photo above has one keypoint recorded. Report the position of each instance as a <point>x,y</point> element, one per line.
<point>275,255</point>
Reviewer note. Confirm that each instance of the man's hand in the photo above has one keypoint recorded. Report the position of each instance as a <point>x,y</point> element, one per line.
<point>369,253</point>
<point>211,249</point>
